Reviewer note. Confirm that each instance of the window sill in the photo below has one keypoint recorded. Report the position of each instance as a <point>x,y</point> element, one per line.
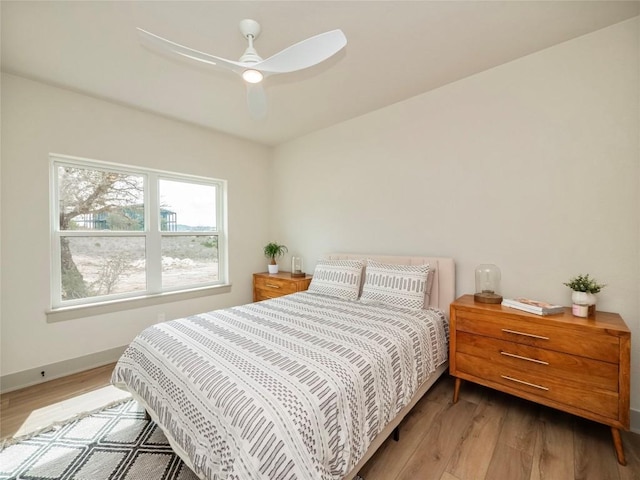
<point>82,311</point>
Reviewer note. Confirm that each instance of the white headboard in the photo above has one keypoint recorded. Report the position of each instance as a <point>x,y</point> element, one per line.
<point>443,290</point>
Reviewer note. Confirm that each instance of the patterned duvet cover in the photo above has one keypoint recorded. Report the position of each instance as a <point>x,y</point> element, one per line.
<point>295,387</point>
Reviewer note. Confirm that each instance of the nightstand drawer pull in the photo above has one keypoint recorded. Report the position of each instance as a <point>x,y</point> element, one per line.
<point>541,362</point>
<point>523,382</point>
<point>271,285</point>
<point>515,332</point>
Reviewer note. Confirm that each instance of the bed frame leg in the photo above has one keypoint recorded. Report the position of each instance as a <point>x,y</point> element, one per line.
<point>396,434</point>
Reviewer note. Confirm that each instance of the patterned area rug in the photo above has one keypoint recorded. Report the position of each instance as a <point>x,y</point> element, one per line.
<point>116,443</point>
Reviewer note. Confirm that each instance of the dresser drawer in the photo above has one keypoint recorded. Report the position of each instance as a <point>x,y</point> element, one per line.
<point>275,286</point>
<point>603,403</point>
<point>582,372</point>
<point>590,343</point>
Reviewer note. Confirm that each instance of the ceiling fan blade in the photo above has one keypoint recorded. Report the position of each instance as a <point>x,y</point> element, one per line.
<point>257,100</point>
<point>304,54</point>
<point>167,47</point>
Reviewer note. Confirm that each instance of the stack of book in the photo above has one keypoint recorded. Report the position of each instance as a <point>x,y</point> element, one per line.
<point>532,306</point>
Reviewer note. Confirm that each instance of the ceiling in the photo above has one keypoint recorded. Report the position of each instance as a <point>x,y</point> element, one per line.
<point>395,50</point>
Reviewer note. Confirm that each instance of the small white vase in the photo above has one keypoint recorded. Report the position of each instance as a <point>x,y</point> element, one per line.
<point>273,268</point>
<point>583,303</point>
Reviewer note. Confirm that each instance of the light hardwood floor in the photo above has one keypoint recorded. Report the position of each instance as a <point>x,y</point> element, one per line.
<point>487,435</point>
<point>24,411</point>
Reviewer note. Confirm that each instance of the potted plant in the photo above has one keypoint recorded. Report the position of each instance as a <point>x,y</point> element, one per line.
<point>273,250</point>
<point>583,297</point>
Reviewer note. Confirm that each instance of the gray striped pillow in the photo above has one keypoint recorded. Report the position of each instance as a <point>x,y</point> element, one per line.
<point>337,278</point>
<point>397,285</point>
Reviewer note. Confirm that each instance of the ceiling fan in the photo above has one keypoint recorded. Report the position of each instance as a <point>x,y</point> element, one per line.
<point>251,66</point>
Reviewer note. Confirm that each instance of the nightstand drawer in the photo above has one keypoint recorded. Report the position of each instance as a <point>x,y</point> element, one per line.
<point>600,402</point>
<point>589,343</point>
<point>259,295</point>
<point>582,372</point>
<point>274,285</point>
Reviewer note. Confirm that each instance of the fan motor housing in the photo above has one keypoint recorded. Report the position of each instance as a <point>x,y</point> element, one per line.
<point>249,28</point>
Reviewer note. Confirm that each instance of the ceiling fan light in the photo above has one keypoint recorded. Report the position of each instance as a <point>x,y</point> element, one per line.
<point>252,76</point>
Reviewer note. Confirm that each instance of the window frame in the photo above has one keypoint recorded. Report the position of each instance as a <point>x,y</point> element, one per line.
<point>151,232</point>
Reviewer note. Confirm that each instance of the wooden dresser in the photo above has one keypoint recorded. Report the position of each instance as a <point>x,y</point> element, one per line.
<point>272,285</point>
<point>578,365</point>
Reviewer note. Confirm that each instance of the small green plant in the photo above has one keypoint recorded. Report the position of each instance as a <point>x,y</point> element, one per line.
<point>274,250</point>
<point>584,283</point>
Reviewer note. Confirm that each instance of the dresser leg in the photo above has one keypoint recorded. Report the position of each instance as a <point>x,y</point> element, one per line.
<point>617,442</point>
<point>456,389</point>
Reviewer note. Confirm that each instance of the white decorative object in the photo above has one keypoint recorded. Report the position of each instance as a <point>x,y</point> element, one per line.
<point>297,266</point>
<point>273,268</point>
<point>487,284</point>
<point>582,301</point>
<point>583,296</point>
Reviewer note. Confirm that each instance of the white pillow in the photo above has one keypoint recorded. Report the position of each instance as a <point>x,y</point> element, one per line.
<point>397,285</point>
<point>337,278</point>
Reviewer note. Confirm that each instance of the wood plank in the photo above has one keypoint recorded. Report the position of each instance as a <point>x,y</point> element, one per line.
<point>448,476</point>
<point>520,426</point>
<point>594,454</point>
<point>439,443</point>
<point>631,443</point>
<point>509,463</point>
<point>392,456</point>
<point>40,405</point>
<point>471,459</point>
<point>553,450</point>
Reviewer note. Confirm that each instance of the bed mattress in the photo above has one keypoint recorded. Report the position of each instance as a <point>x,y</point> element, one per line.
<point>295,387</point>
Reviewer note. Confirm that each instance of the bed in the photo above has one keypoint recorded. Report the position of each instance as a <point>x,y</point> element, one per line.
<point>304,386</point>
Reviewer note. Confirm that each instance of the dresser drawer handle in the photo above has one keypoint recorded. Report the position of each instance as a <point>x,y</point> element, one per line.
<point>271,285</point>
<point>523,382</point>
<point>515,332</point>
<point>541,362</point>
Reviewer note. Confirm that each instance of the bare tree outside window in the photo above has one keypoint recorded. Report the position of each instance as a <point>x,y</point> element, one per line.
<point>96,200</point>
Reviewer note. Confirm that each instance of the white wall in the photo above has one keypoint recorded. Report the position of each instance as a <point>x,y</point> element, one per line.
<point>533,166</point>
<point>38,119</point>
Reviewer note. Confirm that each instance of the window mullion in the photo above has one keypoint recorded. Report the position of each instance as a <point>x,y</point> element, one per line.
<point>154,252</point>
<point>56,267</point>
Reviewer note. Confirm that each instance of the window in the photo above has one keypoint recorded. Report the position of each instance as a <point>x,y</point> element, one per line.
<point>122,232</point>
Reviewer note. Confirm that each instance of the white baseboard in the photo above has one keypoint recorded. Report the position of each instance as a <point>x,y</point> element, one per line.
<point>635,421</point>
<point>33,376</point>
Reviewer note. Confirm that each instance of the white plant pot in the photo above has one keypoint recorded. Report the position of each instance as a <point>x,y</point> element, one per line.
<point>583,303</point>
<point>273,268</point>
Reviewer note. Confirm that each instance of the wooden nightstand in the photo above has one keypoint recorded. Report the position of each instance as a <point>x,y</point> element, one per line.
<point>272,285</point>
<point>578,365</point>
